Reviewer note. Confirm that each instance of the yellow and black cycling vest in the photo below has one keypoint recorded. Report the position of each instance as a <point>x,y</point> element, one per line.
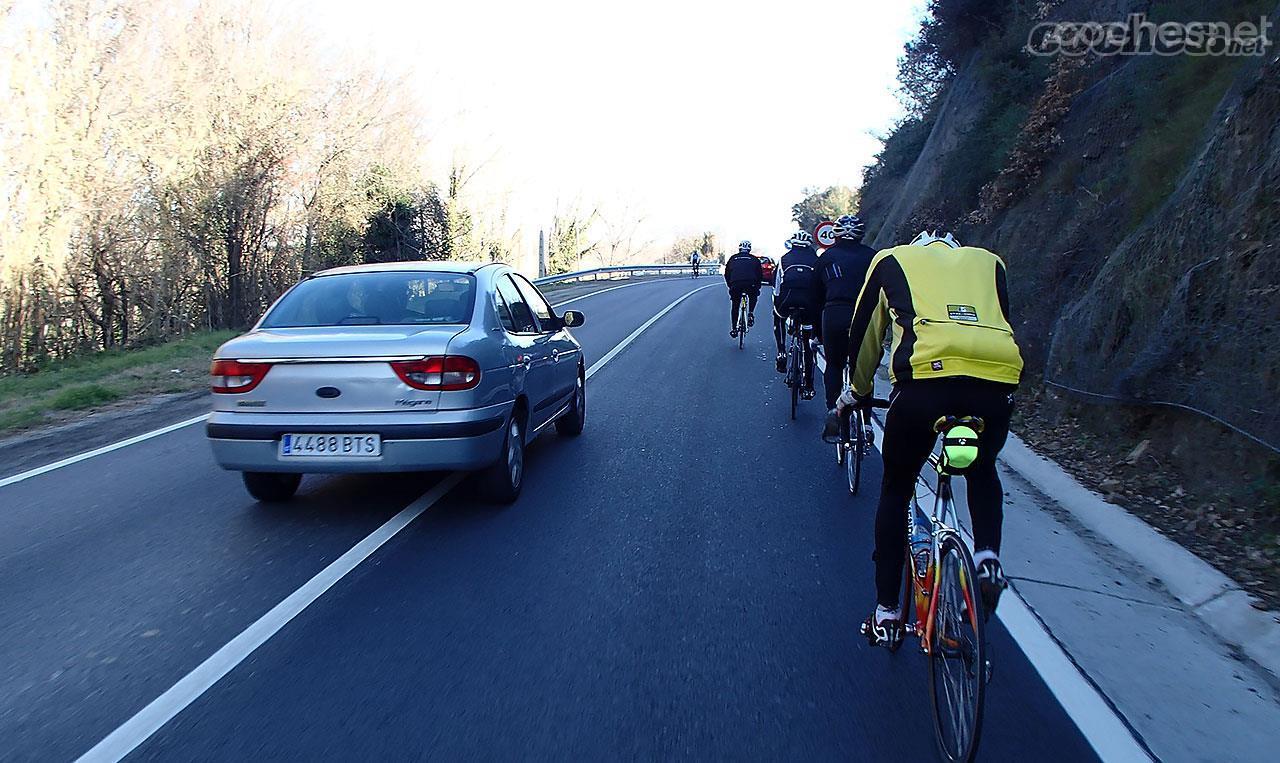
<point>950,314</point>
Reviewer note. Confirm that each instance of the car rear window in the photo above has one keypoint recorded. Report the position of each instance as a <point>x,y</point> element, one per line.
<point>376,299</point>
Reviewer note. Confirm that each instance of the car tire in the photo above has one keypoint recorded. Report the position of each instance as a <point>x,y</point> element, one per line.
<point>501,482</point>
<point>271,487</point>
<point>574,420</point>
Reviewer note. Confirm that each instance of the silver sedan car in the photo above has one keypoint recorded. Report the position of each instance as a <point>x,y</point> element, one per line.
<point>407,366</point>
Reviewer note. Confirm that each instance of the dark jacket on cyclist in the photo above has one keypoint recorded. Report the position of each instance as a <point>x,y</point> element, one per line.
<point>797,286</point>
<point>797,291</point>
<point>843,268</point>
<point>744,271</point>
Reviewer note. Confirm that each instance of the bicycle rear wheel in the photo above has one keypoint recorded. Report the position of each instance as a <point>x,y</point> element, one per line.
<point>794,370</point>
<point>957,653</point>
<point>843,449</point>
<point>853,467</point>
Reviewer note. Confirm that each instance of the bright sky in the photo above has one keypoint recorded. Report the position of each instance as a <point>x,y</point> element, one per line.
<point>691,115</point>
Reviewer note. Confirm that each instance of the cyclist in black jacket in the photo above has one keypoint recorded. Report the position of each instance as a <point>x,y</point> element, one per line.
<point>843,269</point>
<point>743,274</point>
<point>796,292</point>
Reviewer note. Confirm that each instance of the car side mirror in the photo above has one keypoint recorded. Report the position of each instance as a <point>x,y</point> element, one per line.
<point>573,319</point>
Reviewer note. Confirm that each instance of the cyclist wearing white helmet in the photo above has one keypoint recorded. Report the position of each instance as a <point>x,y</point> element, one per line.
<point>743,274</point>
<point>844,268</point>
<point>953,354</point>
<point>796,292</point>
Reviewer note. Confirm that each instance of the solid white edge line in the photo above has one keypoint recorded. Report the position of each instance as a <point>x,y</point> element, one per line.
<point>36,472</point>
<point>1098,723</point>
<point>147,721</point>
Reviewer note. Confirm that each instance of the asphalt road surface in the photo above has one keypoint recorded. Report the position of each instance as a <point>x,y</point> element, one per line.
<point>685,580</point>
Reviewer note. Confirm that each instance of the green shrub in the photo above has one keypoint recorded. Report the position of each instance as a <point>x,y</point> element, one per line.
<point>84,396</point>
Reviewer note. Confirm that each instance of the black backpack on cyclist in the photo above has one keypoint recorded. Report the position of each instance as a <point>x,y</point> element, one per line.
<point>797,285</point>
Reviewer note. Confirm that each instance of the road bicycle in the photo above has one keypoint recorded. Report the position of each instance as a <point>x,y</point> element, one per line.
<point>941,594</point>
<point>743,311</point>
<point>696,267</point>
<point>799,374</point>
<point>856,437</point>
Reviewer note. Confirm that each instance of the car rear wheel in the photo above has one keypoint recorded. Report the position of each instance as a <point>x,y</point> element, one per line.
<point>574,419</point>
<point>271,487</point>
<point>501,482</point>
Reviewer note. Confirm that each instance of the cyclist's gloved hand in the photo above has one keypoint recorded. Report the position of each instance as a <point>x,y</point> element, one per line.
<point>848,397</point>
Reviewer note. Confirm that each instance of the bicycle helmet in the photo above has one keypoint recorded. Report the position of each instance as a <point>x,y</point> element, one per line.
<point>849,227</point>
<point>930,237</point>
<point>802,238</point>
<point>744,246</point>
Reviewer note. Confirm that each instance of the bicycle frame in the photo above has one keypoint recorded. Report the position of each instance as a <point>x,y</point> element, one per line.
<point>796,348</point>
<point>943,523</point>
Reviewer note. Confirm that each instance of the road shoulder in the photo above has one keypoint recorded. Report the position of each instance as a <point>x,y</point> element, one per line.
<point>50,444</point>
<point>1218,601</point>
<point>1141,617</point>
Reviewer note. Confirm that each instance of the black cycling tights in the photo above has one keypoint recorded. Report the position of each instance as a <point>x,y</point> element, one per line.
<point>735,298</point>
<point>908,440</point>
<point>835,346</point>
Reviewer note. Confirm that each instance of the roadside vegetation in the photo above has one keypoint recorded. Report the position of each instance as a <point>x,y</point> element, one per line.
<point>168,168</point>
<point>63,389</point>
<point>821,204</point>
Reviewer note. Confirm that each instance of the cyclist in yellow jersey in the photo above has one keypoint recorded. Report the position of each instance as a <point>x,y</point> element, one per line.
<point>953,354</point>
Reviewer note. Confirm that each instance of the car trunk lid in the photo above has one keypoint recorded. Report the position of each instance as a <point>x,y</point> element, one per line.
<point>342,369</point>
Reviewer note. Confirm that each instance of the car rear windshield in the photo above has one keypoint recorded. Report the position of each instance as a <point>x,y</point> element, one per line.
<point>376,299</point>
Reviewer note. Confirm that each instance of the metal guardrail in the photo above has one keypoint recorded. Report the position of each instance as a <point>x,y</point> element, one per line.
<point>625,271</point>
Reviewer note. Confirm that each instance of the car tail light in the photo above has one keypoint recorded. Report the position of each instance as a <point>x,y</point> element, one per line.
<point>448,373</point>
<point>230,376</point>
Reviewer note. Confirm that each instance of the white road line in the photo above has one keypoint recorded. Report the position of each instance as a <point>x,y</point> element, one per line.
<point>1079,698</point>
<point>36,472</point>
<point>623,344</point>
<point>190,687</point>
<point>162,709</point>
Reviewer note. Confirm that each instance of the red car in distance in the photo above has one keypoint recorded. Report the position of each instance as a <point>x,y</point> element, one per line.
<point>766,268</point>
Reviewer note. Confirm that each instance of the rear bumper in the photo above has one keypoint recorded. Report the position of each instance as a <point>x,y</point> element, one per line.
<point>470,439</point>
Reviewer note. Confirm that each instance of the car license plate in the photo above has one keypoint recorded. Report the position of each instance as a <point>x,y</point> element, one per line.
<point>330,446</point>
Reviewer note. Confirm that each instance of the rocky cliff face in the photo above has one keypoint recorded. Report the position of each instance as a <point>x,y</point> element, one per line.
<point>1138,211</point>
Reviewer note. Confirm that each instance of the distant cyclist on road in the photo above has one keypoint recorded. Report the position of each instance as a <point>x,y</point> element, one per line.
<point>797,293</point>
<point>843,269</point>
<point>953,354</point>
<point>695,260</point>
<point>743,273</point>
